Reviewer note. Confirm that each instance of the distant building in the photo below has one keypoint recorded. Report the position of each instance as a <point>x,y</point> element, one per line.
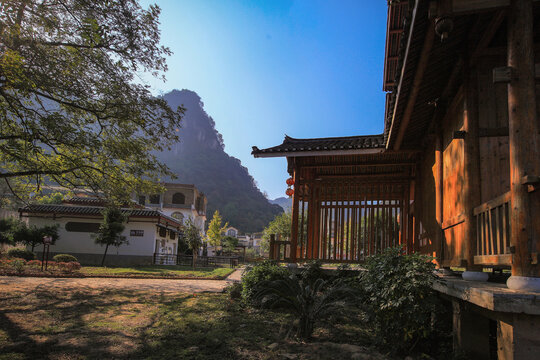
<point>231,231</point>
<point>180,201</point>
<point>154,224</point>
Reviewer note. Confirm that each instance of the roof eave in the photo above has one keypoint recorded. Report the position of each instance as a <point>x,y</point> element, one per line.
<point>319,153</point>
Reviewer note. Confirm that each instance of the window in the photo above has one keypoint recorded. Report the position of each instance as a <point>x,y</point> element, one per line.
<point>162,232</point>
<point>178,215</point>
<point>142,200</point>
<point>82,227</point>
<point>154,199</point>
<point>136,233</point>
<point>178,198</point>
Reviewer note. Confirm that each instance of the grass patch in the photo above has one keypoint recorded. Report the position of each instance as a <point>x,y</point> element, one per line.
<point>159,270</point>
<point>103,324</point>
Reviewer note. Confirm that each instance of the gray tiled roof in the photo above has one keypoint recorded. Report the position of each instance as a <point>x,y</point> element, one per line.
<point>91,210</point>
<point>292,145</point>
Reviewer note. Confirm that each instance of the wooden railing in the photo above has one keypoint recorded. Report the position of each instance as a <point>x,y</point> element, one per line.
<point>209,261</point>
<point>493,232</point>
<point>280,250</point>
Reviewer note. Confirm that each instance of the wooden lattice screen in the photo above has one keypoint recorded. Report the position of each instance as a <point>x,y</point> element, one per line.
<point>345,221</point>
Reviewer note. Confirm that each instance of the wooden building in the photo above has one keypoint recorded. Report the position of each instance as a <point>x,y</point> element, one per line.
<point>456,172</point>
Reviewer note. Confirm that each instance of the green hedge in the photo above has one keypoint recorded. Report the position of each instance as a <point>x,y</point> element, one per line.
<point>21,254</point>
<point>65,258</point>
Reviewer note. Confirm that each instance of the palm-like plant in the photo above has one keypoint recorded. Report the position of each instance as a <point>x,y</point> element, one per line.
<point>309,301</point>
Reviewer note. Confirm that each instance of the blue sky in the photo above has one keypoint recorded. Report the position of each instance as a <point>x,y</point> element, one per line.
<point>305,68</point>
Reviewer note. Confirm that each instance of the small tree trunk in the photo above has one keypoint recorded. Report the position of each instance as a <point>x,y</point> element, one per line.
<point>33,246</point>
<point>194,258</point>
<point>104,254</point>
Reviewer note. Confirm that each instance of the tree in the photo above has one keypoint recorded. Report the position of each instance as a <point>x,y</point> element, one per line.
<point>281,225</point>
<point>110,230</point>
<point>13,231</point>
<point>72,110</point>
<point>7,226</point>
<point>229,243</point>
<point>215,230</point>
<point>192,235</point>
<point>33,235</point>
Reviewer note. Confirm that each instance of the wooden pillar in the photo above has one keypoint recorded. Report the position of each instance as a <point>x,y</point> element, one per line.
<point>417,204</point>
<point>523,134</point>
<point>271,252</point>
<point>471,164</point>
<point>439,195</point>
<point>405,218</point>
<point>294,221</point>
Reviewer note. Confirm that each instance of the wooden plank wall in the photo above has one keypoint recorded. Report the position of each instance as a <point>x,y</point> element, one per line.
<point>453,182</point>
<point>493,114</point>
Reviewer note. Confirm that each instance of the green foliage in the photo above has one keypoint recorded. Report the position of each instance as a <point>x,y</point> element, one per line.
<point>18,265</point>
<point>215,230</point>
<point>33,235</point>
<point>229,243</point>
<point>192,236</point>
<point>7,227</point>
<point>64,258</point>
<point>255,275</point>
<point>53,198</point>
<point>110,230</point>
<point>234,291</point>
<point>281,225</point>
<point>73,110</point>
<point>312,271</point>
<point>399,295</point>
<point>308,301</point>
<point>21,254</point>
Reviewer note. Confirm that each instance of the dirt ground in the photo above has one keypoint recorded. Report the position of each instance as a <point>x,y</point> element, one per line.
<point>13,283</point>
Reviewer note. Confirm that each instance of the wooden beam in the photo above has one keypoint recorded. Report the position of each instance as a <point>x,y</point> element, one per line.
<point>523,134</point>
<point>417,82</point>
<point>475,6</point>
<point>471,158</point>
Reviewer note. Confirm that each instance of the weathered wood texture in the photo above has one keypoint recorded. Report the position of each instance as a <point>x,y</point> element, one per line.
<point>523,135</point>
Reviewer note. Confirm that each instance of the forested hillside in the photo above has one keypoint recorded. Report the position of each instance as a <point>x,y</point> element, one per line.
<point>199,158</point>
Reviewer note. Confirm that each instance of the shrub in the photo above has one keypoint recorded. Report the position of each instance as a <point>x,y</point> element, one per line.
<point>18,265</point>
<point>234,291</point>
<point>312,271</point>
<point>34,263</point>
<point>257,274</point>
<point>21,254</point>
<point>400,299</point>
<point>68,267</point>
<point>308,301</point>
<point>64,258</point>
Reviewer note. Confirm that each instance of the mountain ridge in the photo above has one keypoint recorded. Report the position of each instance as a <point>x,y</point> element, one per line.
<point>200,158</point>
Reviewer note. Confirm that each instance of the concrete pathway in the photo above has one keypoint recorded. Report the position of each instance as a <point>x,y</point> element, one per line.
<point>26,284</point>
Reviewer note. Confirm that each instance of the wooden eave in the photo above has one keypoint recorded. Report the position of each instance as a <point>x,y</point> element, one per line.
<point>394,32</point>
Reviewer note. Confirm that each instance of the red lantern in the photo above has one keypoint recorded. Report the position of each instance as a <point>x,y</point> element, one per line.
<point>289,192</point>
<point>290,181</point>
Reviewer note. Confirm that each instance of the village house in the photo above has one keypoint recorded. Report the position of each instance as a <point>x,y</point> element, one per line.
<point>152,229</point>
<point>455,173</point>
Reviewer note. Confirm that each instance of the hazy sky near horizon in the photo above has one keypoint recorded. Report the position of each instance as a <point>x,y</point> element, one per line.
<point>305,68</point>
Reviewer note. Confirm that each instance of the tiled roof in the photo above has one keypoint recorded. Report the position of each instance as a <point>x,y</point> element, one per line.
<point>348,143</point>
<point>92,211</point>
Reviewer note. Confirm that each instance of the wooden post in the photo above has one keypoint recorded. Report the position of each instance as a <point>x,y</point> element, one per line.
<point>439,195</point>
<point>471,160</point>
<point>294,222</point>
<point>523,133</point>
<point>271,253</point>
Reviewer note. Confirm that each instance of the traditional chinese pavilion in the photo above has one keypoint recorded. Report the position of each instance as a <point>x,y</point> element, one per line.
<point>455,173</point>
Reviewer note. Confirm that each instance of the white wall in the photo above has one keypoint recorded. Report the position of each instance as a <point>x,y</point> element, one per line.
<point>82,242</point>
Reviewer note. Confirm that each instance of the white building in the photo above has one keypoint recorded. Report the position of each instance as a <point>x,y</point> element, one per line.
<point>180,201</point>
<point>152,235</point>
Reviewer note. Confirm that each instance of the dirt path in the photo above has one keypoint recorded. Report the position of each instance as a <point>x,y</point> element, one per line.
<point>13,283</point>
